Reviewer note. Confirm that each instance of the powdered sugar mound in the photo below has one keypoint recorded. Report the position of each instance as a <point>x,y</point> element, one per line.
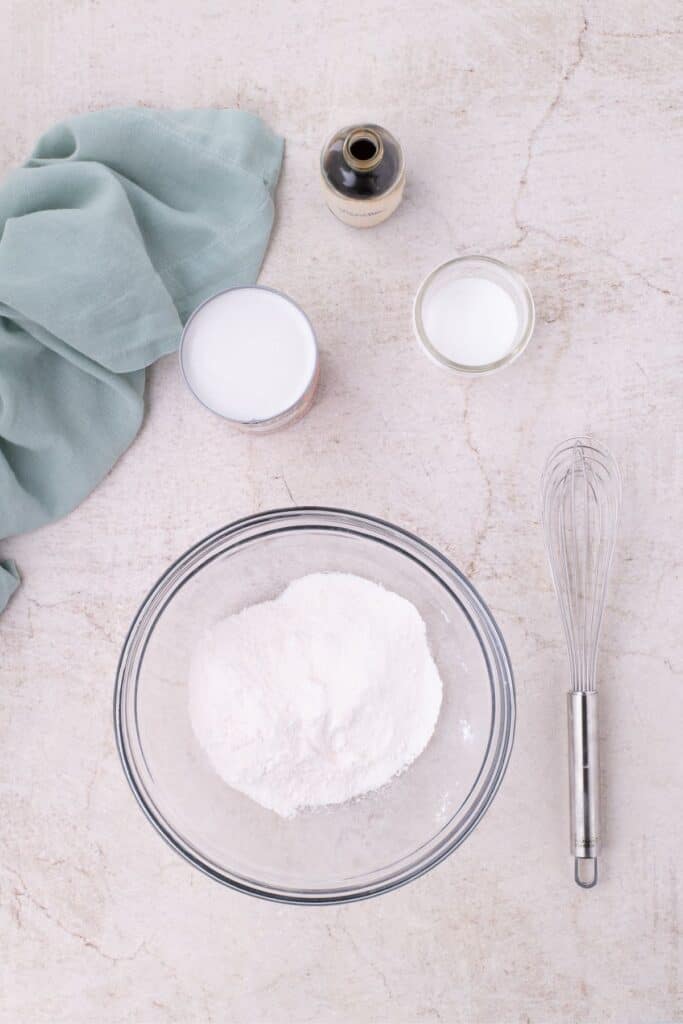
<point>321,695</point>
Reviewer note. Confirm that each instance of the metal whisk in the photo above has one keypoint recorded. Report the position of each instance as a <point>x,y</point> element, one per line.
<point>581,494</point>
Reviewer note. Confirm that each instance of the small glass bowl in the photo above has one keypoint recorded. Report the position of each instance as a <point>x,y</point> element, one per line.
<point>349,851</point>
<point>492,270</point>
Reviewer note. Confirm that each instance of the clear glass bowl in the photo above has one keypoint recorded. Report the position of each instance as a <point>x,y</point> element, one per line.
<point>487,269</point>
<point>347,852</point>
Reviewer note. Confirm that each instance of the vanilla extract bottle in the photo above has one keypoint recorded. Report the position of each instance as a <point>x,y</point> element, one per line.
<point>363,174</point>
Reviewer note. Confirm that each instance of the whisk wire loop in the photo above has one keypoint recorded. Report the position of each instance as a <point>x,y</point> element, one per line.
<point>581,493</point>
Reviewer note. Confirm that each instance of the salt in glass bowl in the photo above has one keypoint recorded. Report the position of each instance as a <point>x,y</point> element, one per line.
<point>336,854</point>
<point>484,268</point>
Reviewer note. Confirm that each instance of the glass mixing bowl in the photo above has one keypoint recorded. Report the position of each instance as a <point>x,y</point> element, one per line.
<point>335,854</point>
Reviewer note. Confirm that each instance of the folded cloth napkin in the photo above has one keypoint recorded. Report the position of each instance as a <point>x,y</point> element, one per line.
<point>115,229</point>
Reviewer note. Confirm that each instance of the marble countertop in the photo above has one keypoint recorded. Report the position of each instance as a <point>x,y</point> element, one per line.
<point>544,134</point>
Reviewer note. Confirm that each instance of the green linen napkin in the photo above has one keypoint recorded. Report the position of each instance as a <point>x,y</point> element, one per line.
<point>115,229</point>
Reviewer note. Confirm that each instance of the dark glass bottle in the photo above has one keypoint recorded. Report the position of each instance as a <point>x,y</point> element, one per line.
<point>363,174</point>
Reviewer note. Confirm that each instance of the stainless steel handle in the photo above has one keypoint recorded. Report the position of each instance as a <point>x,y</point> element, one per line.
<point>584,778</point>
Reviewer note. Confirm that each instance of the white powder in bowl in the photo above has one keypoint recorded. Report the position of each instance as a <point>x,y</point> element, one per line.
<point>314,698</point>
<point>470,320</point>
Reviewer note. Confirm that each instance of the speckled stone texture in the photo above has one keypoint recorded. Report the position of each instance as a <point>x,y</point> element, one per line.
<point>546,134</point>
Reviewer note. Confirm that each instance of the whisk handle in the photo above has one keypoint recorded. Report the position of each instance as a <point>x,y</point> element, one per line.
<point>584,777</point>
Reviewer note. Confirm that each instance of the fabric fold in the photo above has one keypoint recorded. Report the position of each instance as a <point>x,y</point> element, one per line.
<point>119,224</point>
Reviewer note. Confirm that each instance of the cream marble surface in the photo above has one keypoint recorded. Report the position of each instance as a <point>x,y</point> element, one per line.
<point>546,134</point>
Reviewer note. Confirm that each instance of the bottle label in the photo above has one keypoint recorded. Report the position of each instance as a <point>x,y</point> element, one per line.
<point>365,213</point>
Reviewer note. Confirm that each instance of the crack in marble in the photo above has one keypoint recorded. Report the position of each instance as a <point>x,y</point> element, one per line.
<point>287,488</point>
<point>480,535</point>
<point>663,33</point>
<point>525,228</point>
<point>573,240</point>
<point>59,862</point>
<point>93,781</point>
<point>49,605</point>
<point>567,76</point>
<point>623,652</point>
<point>82,610</point>
<point>25,893</point>
<point>98,626</point>
<point>429,1011</point>
<point>362,956</point>
<point>271,985</point>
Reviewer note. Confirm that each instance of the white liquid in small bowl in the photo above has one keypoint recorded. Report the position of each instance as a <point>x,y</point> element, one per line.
<point>250,355</point>
<point>474,314</point>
